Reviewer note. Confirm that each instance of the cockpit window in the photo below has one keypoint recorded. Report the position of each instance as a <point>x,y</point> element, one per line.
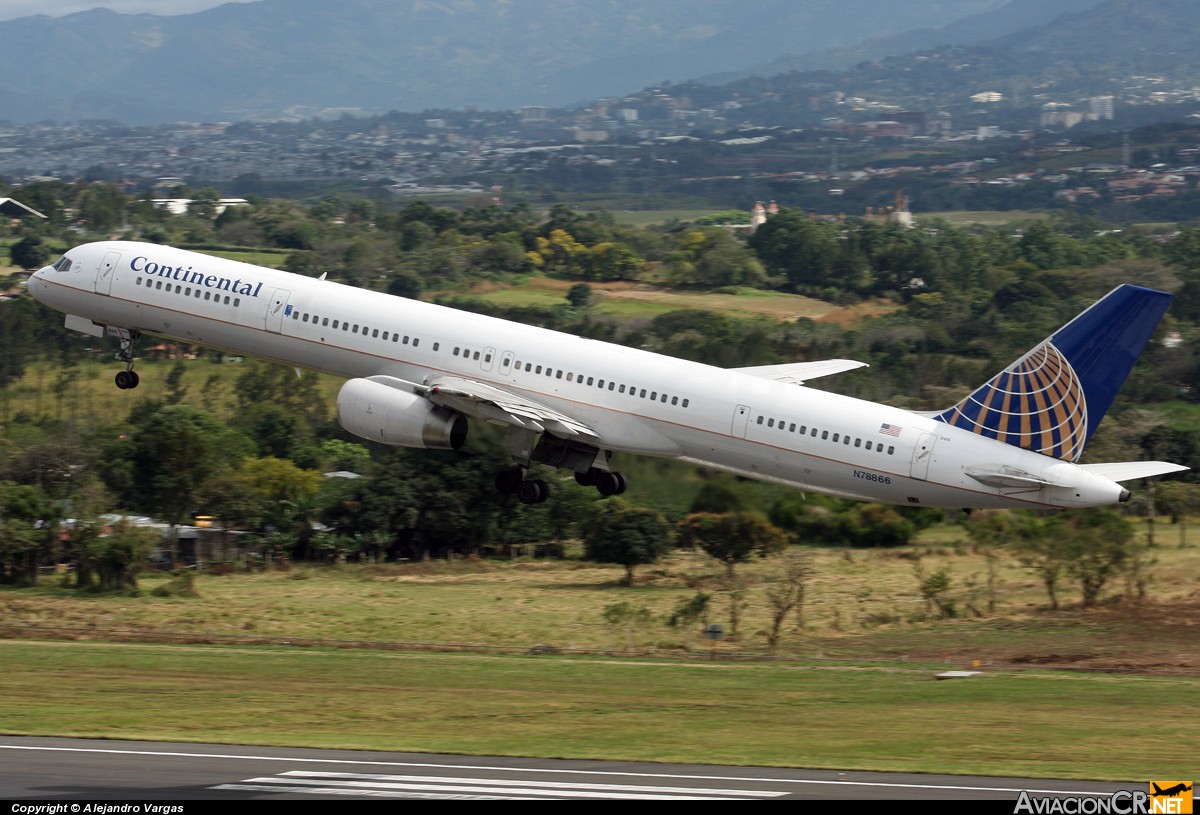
<point>63,265</point>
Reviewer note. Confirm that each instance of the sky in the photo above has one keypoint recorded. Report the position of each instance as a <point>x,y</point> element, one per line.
<point>11,9</point>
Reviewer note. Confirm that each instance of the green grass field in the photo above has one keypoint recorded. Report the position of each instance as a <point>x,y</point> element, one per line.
<point>844,717</point>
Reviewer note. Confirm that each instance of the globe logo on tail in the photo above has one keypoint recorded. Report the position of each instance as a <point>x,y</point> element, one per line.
<point>1037,403</point>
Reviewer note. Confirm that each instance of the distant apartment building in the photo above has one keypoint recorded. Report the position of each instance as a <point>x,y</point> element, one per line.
<point>987,97</point>
<point>1101,107</point>
<point>535,113</point>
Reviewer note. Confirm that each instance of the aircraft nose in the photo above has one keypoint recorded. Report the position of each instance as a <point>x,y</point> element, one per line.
<point>36,284</point>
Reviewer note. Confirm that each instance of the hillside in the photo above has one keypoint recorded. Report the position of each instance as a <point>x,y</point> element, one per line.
<point>303,57</point>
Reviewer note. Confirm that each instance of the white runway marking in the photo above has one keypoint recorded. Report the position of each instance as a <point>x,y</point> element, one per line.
<point>403,786</point>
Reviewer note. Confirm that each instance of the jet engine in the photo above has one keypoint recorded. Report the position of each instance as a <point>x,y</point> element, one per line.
<point>391,416</point>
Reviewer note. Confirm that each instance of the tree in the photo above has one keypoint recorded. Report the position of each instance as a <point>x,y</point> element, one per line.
<point>29,253</point>
<point>28,531</point>
<point>174,454</point>
<point>118,556</point>
<point>628,535</point>
<point>580,296</point>
<point>732,537</point>
<point>786,592</point>
<point>1097,548</point>
<point>791,244</point>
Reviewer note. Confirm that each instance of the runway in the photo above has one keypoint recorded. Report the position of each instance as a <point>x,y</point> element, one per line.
<point>58,769</point>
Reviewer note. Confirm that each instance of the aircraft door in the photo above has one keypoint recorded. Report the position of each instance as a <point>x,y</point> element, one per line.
<point>277,309</point>
<point>489,354</point>
<point>741,418</point>
<point>506,362</point>
<point>106,272</point>
<point>922,455</point>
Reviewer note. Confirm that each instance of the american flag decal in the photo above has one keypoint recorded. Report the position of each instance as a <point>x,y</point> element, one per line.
<point>890,429</point>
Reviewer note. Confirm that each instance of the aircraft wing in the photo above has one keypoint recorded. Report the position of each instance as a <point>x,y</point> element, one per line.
<point>1128,470</point>
<point>499,406</point>
<point>797,373</point>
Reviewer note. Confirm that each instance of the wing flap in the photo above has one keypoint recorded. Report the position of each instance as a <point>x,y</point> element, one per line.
<point>499,406</point>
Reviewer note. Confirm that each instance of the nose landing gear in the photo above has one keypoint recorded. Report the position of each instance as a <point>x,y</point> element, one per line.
<point>128,378</point>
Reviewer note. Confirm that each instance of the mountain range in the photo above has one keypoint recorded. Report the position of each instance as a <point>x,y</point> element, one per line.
<point>275,59</point>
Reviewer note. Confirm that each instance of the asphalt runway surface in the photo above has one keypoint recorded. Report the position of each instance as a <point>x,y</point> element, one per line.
<point>83,770</point>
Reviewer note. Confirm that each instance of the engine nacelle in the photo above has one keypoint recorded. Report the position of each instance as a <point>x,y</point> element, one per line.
<point>390,416</point>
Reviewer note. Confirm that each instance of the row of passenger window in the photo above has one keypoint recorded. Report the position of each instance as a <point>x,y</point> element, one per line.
<point>355,328</point>
<point>486,358</point>
<point>825,435</point>
<point>186,291</point>
<point>602,384</point>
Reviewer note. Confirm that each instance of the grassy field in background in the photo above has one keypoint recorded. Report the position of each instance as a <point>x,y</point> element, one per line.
<point>881,718</point>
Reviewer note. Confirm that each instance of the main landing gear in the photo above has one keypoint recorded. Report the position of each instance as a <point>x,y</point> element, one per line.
<point>128,378</point>
<point>535,491</point>
<point>606,482</point>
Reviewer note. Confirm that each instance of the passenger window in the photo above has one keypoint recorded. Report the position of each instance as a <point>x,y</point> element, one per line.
<point>685,403</point>
<point>891,449</point>
<point>835,437</point>
<point>178,288</point>
<point>571,377</point>
<point>528,365</point>
<point>858,442</point>
<point>538,369</point>
<point>643,393</point>
<point>770,422</point>
<point>325,321</point>
<point>335,323</point>
<point>664,399</point>
<point>612,385</point>
<point>824,434</point>
<point>475,356</point>
<point>868,444</point>
<point>622,389</point>
<point>375,333</point>
<point>227,299</point>
<point>674,400</point>
<point>792,427</point>
<point>558,375</point>
<point>846,439</point>
<point>760,419</point>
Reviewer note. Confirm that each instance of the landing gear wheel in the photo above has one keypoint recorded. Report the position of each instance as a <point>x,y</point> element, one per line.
<point>588,477</point>
<point>534,491</point>
<point>611,484</point>
<point>127,379</point>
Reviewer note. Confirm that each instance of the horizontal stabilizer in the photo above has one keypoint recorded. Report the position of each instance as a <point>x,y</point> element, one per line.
<point>797,373</point>
<point>1128,470</point>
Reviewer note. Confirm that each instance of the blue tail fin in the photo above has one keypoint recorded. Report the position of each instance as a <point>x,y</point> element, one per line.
<point>1052,399</point>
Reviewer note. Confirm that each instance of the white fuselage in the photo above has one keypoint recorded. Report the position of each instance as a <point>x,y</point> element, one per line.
<point>648,403</point>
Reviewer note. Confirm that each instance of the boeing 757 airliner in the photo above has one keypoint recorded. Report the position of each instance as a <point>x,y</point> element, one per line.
<point>419,374</point>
